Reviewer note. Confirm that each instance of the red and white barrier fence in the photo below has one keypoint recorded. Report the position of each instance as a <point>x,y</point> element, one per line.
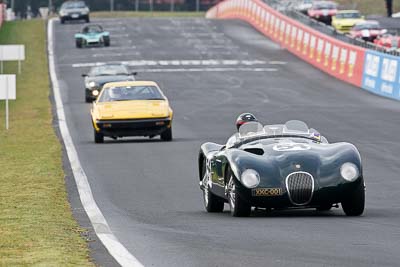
<point>337,58</point>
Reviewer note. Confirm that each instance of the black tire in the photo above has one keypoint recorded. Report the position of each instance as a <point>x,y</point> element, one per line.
<point>62,21</point>
<point>106,41</point>
<point>78,42</point>
<point>212,203</point>
<point>167,135</point>
<point>354,204</point>
<point>98,137</point>
<point>87,19</point>
<point>239,208</point>
<point>88,99</point>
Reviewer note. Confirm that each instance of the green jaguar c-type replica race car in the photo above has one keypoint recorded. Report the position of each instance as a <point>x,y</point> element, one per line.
<point>92,35</point>
<point>281,167</point>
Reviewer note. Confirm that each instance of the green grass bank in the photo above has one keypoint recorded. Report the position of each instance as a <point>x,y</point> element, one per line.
<point>36,223</point>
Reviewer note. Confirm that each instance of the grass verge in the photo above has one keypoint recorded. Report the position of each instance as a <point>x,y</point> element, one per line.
<point>36,223</point>
<point>127,14</point>
<point>370,7</point>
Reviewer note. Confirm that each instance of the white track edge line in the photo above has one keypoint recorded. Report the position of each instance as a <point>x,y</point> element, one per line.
<point>100,226</point>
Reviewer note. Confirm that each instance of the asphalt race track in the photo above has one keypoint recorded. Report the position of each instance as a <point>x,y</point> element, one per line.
<point>211,71</point>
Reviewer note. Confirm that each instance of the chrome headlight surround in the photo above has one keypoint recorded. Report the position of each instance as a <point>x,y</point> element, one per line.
<point>349,171</point>
<point>250,178</point>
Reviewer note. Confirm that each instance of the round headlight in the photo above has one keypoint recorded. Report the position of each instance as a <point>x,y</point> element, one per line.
<point>95,92</point>
<point>92,84</point>
<point>250,178</point>
<point>349,171</point>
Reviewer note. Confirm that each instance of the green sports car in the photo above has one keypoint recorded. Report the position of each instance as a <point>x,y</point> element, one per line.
<point>92,35</point>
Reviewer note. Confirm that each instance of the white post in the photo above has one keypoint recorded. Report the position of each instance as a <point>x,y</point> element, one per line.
<point>6,103</point>
<point>172,8</point>
<point>151,5</point>
<point>136,5</point>
<point>197,5</point>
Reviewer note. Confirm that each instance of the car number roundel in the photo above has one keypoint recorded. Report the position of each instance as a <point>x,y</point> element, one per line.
<point>291,147</point>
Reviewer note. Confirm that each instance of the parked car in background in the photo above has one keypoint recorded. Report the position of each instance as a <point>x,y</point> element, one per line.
<point>344,20</point>
<point>388,40</point>
<point>367,30</point>
<point>100,75</point>
<point>74,10</point>
<point>323,11</point>
<point>303,6</point>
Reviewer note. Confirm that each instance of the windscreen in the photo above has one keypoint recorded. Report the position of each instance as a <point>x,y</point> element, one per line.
<point>250,129</point>
<point>354,15</point>
<point>72,5</point>
<point>253,131</point>
<point>368,26</point>
<point>126,93</point>
<point>295,127</point>
<point>107,70</point>
<point>320,6</point>
<point>92,29</point>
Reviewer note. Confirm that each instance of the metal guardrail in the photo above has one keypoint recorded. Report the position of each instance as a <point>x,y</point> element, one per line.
<point>287,7</point>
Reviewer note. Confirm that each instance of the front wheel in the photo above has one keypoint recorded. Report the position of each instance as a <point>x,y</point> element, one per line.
<point>78,42</point>
<point>107,41</point>
<point>167,135</point>
<point>88,98</point>
<point>87,19</point>
<point>239,208</point>
<point>354,204</point>
<point>98,137</point>
<point>212,203</point>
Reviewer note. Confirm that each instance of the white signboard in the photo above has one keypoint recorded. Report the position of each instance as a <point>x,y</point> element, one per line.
<point>8,91</point>
<point>44,12</point>
<point>12,52</point>
<point>8,87</point>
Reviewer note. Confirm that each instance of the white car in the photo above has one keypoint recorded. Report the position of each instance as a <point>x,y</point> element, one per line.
<point>74,10</point>
<point>304,5</point>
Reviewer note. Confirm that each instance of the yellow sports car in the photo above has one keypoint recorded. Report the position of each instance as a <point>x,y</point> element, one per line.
<point>131,108</point>
<point>346,19</point>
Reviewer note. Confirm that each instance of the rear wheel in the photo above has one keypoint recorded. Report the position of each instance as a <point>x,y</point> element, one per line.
<point>212,203</point>
<point>98,137</point>
<point>78,42</point>
<point>62,21</point>
<point>167,135</point>
<point>239,208</point>
<point>354,204</point>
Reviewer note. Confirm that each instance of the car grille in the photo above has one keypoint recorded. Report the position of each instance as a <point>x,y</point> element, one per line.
<point>346,28</point>
<point>300,187</point>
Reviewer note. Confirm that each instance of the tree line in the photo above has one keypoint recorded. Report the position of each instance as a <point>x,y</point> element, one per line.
<point>20,6</point>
